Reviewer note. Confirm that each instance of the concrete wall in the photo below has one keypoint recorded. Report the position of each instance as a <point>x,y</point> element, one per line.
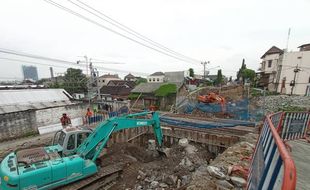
<point>104,81</point>
<point>19,124</point>
<point>13,125</point>
<point>155,79</point>
<point>289,62</point>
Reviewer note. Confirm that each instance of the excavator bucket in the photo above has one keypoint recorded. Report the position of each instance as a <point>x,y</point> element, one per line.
<point>164,152</point>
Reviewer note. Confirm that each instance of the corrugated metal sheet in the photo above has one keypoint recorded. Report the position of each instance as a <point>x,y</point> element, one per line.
<point>28,96</point>
<point>32,99</point>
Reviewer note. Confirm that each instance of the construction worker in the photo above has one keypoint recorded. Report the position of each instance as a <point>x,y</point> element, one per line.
<point>89,113</point>
<point>65,120</point>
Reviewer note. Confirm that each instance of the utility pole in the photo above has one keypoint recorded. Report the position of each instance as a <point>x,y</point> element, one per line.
<point>293,82</point>
<point>204,68</point>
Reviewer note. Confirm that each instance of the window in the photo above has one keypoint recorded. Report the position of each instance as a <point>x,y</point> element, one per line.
<point>157,79</point>
<point>269,63</point>
<point>80,138</point>
<point>150,80</point>
<point>309,80</point>
<point>153,79</point>
<point>61,138</point>
<point>71,142</point>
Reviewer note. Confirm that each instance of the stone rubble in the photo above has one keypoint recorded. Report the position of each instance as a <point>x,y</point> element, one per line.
<point>277,103</point>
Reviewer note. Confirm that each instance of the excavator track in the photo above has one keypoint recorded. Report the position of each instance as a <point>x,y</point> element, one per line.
<point>102,180</point>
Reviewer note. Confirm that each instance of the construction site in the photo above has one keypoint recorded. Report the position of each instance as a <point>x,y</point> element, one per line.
<point>154,95</point>
<point>212,141</point>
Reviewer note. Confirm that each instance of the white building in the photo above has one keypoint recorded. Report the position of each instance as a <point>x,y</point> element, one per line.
<point>157,77</point>
<point>286,72</point>
<point>105,79</point>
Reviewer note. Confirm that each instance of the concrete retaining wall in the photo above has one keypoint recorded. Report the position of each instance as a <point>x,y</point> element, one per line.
<point>20,124</point>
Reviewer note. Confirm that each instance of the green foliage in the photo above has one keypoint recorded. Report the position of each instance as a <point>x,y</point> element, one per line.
<point>55,85</point>
<point>248,74</point>
<point>219,79</point>
<point>239,73</point>
<point>165,90</point>
<point>140,80</point>
<point>191,72</point>
<point>292,108</point>
<point>133,96</point>
<point>256,93</point>
<point>75,81</point>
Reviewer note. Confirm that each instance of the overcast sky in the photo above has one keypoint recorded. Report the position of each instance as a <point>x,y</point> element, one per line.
<point>222,32</point>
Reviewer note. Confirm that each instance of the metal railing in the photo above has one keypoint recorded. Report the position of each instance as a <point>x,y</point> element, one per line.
<point>294,125</point>
<point>99,117</point>
<point>272,166</point>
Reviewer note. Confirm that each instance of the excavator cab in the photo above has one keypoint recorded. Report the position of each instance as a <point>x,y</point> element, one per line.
<point>69,139</point>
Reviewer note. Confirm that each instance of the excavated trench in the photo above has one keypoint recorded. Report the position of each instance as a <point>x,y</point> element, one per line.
<point>145,169</point>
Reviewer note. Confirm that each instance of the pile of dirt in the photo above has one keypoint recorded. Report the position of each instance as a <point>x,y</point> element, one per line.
<point>228,170</point>
<point>147,170</point>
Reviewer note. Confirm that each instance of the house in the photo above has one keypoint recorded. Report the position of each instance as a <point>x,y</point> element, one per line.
<point>78,96</point>
<point>130,77</point>
<point>286,72</point>
<point>148,94</point>
<point>127,83</point>
<point>109,93</point>
<point>175,76</point>
<point>157,77</point>
<point>105,79</point>
<point>30,111</point>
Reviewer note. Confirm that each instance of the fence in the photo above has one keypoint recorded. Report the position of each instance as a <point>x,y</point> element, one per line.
<point>294,125</point>
<point>271,167</point>
<point>99,117</point>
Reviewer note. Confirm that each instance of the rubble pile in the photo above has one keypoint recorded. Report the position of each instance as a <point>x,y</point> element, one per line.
<point>171,172</point>
<point>222,173</point>
<point>282,102</point>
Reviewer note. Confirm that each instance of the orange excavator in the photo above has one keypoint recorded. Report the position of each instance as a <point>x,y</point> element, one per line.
<point>213,98</point>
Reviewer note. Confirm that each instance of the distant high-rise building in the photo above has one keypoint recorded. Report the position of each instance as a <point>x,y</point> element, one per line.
<point>52,72</point>
<point>30,72</point>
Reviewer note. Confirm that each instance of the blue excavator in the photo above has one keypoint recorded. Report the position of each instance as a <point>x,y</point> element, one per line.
<point>71,157</point>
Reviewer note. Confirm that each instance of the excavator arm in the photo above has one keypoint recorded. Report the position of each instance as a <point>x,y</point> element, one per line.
<point>93,145</point>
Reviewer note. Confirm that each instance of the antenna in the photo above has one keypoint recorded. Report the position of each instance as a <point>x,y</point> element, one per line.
<point>288,38</point>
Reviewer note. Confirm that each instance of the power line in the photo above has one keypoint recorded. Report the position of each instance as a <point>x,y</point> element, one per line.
<point>111,30</point>
<point>62,61</point>
<point>129,30</point>
<point>33,56</point>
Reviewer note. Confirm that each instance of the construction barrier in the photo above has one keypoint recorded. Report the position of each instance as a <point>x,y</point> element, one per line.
<point>294,125</point>
<point>276,119</point>
<point>272,167</point>
<point>94,119</point>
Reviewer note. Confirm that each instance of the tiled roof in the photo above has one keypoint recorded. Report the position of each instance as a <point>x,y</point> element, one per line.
<point>151,87</point>
<point>116,90</point>
<point>121,83</point>
<point>28,99</point>
<point>157,74</point>
<point>273,50</point>
<point>109,76</point>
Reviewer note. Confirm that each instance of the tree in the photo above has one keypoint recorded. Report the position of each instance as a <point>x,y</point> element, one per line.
<point>75,81</point>
<point>140,80</point>
<point>219,78</point>
<point>239,73</point>
<point>191,72</point>
<point>248,74</point>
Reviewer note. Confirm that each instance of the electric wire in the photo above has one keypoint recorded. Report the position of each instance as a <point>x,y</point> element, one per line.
<point>111,30</point>
<point>2,50</point>
<point>129,30</point>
